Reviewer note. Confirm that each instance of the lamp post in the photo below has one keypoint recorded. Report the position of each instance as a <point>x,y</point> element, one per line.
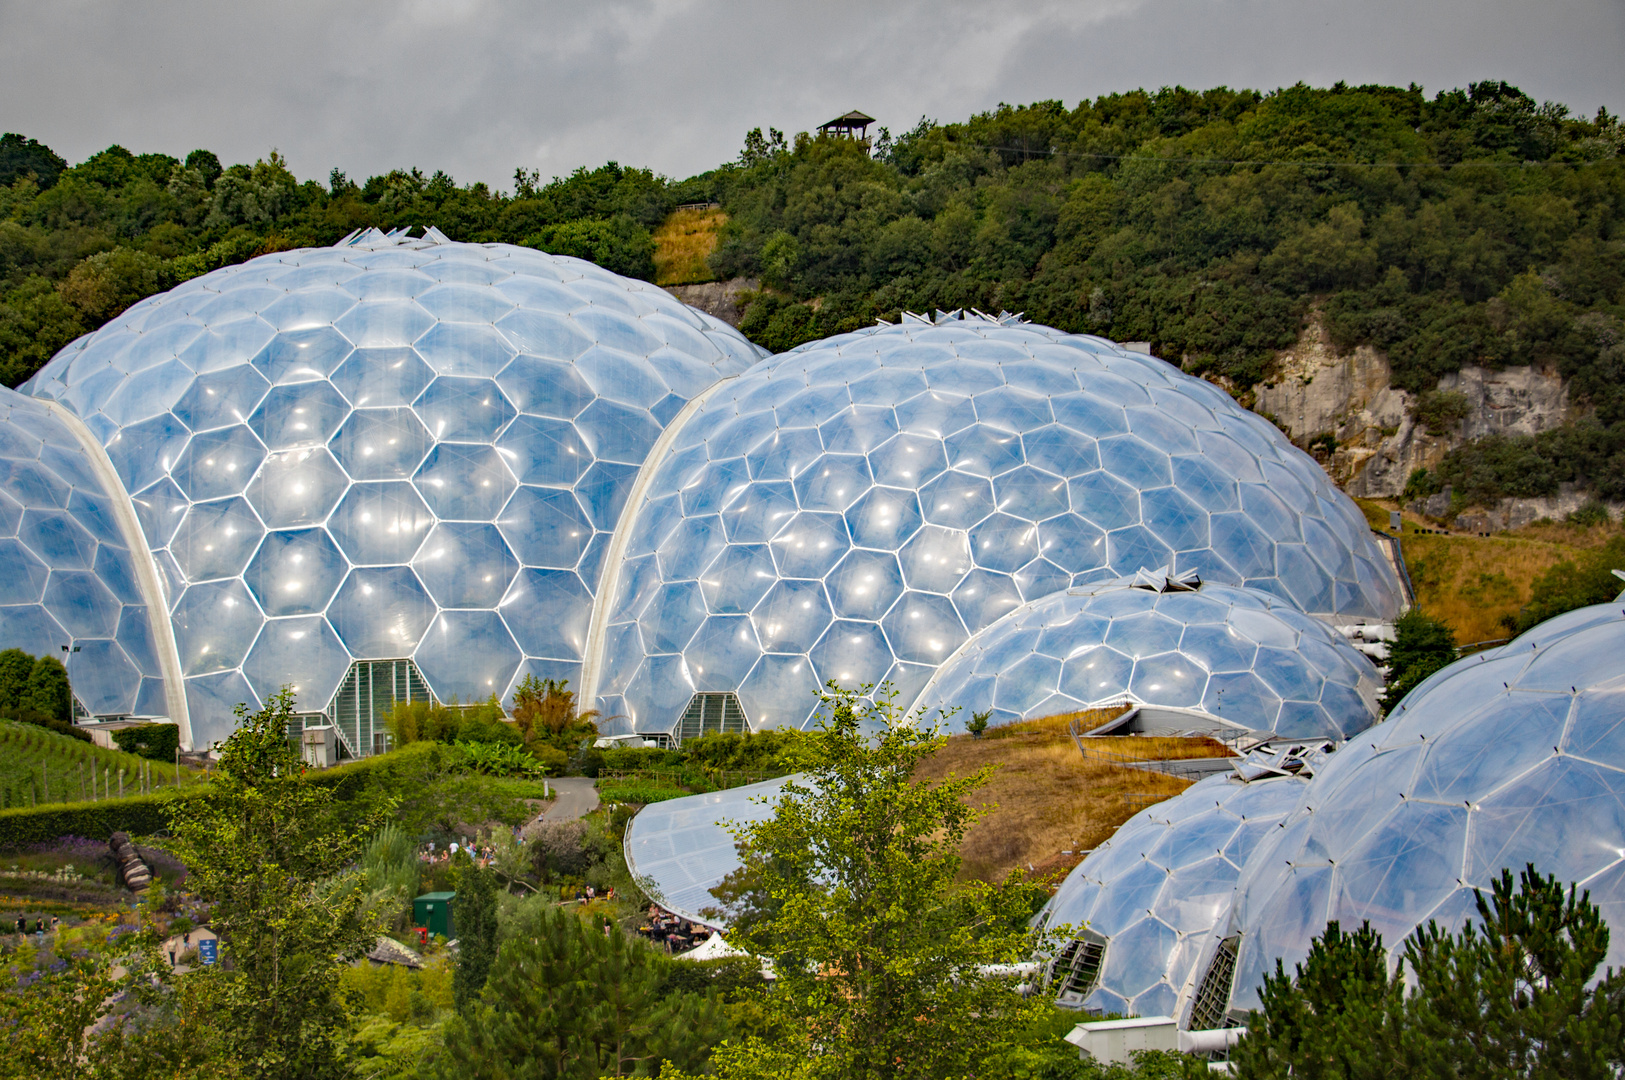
<point>70,649</point>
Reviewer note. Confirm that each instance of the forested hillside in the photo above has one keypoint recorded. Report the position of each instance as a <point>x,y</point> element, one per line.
<point>79,245</point>
<point>1470,227</point>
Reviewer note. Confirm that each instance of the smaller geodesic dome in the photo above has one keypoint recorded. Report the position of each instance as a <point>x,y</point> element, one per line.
<point>1248,659</point>
<point>69,575</point>
<point>1143,902</point>
<point>1511,757</point>
<point>681,849</point>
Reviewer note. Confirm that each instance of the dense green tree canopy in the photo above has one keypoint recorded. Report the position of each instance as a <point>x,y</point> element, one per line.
<point>1472,226</point>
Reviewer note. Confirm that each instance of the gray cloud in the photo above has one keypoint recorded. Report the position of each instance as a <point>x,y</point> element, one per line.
<point>478,87</point>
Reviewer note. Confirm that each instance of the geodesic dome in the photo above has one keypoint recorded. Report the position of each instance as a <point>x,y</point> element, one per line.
<point>1246,658</point>
<point>1510,757</point>
<point>392,449</point>
<point>857,508</point>
<point>1142,903</point>
<point>69,576</point>
<point>680,849</point>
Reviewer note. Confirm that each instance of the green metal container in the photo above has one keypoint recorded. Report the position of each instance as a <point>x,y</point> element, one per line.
<point>433,910</point>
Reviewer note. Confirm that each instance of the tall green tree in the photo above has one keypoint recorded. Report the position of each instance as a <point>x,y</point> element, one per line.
<point>259,843</point>
<point>1422,645</point>
<point>15,667</point>
<point>882,954</point>
<point>48,690</point>
<point>566,1000</point>
<point>476,931</point>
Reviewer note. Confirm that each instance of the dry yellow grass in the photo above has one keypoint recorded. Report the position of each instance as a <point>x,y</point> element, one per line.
<point>1046,803</point>
<point>1474,582</point>
<point>682,244</point>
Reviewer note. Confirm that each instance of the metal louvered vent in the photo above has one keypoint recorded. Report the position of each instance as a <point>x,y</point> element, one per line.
<point>1213,993</point>
<point>708,714</point>
<point>1075,970</point>
<point>368,692</point>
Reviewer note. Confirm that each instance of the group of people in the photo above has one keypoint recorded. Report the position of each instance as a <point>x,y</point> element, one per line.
<point>673,932</point>
<point>481,854</point>
<point>40,926</point>
<point>585,893</point>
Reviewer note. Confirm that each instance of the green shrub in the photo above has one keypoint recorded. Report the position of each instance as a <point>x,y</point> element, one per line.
<point>1593,512</point>
<point>1439,411</point>
<point>429,784</point>
<point>431,721</point>
<point>155,741</point>
<point>1421,483</point>
<point>138,815</point>
<point>497,759</point>
<point>639,791</point>
<point>775,751</point>
<point>619,244</point>
<point>1569,585</point>
<point>15,665</point>
<point>633,758</point>
<point>48,690</point>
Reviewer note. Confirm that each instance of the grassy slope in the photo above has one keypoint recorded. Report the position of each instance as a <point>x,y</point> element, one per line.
<point>1472,582</point>
<point>1045,799</point>
<point>26,751</point>
<point>682,243</point>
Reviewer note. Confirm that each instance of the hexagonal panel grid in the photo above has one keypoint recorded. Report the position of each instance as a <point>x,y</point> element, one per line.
<point>1500,760</point>
<point>1169,869</point>
<point>937,474</point>
<point>308,397</point>
<point>1243,657</point>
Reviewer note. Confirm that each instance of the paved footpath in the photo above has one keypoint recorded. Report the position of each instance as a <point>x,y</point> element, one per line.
<point>574,796</point>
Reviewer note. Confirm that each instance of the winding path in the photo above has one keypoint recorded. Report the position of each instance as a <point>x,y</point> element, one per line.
<point>573,797</point>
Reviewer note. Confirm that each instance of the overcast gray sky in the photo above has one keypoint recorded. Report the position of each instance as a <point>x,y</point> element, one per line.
<point>478,87</point>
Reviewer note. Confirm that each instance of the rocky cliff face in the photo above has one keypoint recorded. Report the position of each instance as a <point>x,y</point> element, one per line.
<point>1378,442</point>
<point>719,299</point>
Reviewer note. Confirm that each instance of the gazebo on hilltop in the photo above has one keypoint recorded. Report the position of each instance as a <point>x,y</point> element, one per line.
<point>854,125</point>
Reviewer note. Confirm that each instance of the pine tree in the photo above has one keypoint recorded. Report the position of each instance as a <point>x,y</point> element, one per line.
<point>1509,997</point>
<point>1422,645</point>
<point>565,1000</point>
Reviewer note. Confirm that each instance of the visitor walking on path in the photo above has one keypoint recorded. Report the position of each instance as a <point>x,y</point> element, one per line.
<point>573,797</point>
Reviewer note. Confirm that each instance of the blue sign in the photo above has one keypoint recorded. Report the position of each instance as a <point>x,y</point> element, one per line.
<point>209,950</point>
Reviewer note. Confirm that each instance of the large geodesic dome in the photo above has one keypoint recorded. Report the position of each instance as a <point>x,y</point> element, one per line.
<point>408,452</point>
<point>1141,905</point>
<point>857,508</point>
<point>1244,658</point>
<point>1510,757</point>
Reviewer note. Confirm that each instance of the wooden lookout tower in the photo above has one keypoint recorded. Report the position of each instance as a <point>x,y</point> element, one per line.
<point>854,125</point>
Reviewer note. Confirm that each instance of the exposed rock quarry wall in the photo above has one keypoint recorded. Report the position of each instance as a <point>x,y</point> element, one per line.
<point>719,299</point>
<point>1318,392</point>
